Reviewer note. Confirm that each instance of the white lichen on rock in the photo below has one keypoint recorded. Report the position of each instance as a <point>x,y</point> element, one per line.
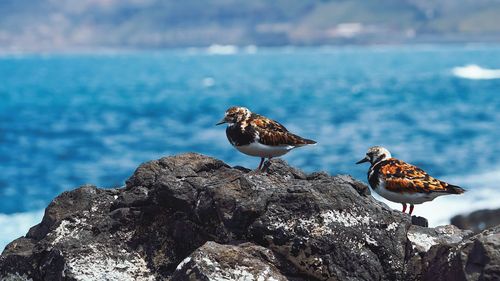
<point>320,225</point>
<point>421,241</point>
<point>392,226</point>
<point>95,262</point>
<point>370,240</point>
<point>15,277</point>
<point>98,266</point>
<point>67,229</point>
<point>424,238</point>
<point>345,218</point>
<point>237,272</point>
<point>214,261</point>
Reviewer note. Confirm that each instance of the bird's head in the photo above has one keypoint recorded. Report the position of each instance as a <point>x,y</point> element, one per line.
<point>375,154</point>
<point>235,114</point>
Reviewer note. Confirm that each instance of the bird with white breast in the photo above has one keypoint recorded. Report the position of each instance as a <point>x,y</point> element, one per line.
<point>401,182</point>
<point>259,136</point>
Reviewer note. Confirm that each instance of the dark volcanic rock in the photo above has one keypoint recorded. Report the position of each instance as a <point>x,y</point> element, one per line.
<point>423,238</point>
<point>477,258</point>
<point>477,221</point>
<point>192,217</point>
<point>420,221</point>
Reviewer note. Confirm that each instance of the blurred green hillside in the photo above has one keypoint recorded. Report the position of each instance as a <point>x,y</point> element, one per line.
<point>57,24</point>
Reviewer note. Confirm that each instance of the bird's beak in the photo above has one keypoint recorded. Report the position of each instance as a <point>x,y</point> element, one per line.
<point>221,122</point>
<point>366,159</point>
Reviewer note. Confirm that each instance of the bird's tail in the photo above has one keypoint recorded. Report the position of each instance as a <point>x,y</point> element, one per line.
<point>454,189</point>
<point>304,141</point>
<point>308,141</point>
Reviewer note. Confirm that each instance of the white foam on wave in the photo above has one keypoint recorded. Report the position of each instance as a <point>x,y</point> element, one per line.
<point>217,49</point>
<point>488,179</point>
<point>473,71</point>
<point>13,226</point>
<point>250,49</point>
<point>481,194</point>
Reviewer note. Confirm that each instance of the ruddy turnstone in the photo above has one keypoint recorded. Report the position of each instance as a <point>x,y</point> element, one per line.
<point>401,182</point>
<point>256,135</point>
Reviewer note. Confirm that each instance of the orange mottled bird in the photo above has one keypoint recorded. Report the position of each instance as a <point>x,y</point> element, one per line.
<point>401,182</point>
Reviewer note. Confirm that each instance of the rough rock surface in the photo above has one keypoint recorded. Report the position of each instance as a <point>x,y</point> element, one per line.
<point>214,261</point>
<point>192,217</point>
<point>423,239</point>
<point>477,258</point>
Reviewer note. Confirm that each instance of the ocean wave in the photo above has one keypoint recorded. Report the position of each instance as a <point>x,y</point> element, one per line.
<point>475,72</point>
<point>167,103</point>
<point>17,225</point>
<point>250,49</point>
<point>217,49</point>
<point>487,179</point>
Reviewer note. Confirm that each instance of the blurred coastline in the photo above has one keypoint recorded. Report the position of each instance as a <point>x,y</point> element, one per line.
<point>52,25</point>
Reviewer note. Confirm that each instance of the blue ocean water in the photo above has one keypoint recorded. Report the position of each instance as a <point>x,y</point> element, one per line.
<point>71,119</point>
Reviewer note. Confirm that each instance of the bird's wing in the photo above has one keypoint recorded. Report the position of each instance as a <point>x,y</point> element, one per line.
<point>403,177</point>
<point>273,133</point>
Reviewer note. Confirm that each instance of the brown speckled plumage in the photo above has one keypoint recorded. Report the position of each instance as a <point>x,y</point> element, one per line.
<point>403,177</point>
<point>401,182</point>
<point>271,132</point>
<point>247,127</point>
<point>259,136</point>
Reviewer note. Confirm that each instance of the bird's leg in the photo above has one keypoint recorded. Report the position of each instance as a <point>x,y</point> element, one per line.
<point>404,207</point>
<point>411,208</point>
<point>260,165</point>
<point>266,164</point>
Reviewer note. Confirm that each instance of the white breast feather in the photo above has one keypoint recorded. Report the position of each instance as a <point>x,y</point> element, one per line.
<point>406,197</point>
<point>267,151</point>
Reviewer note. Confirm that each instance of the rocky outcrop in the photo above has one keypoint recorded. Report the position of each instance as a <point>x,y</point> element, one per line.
<point>477,221</point>
<point>192,217</point>
<point>477,258</point>
<point>423,239</point>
